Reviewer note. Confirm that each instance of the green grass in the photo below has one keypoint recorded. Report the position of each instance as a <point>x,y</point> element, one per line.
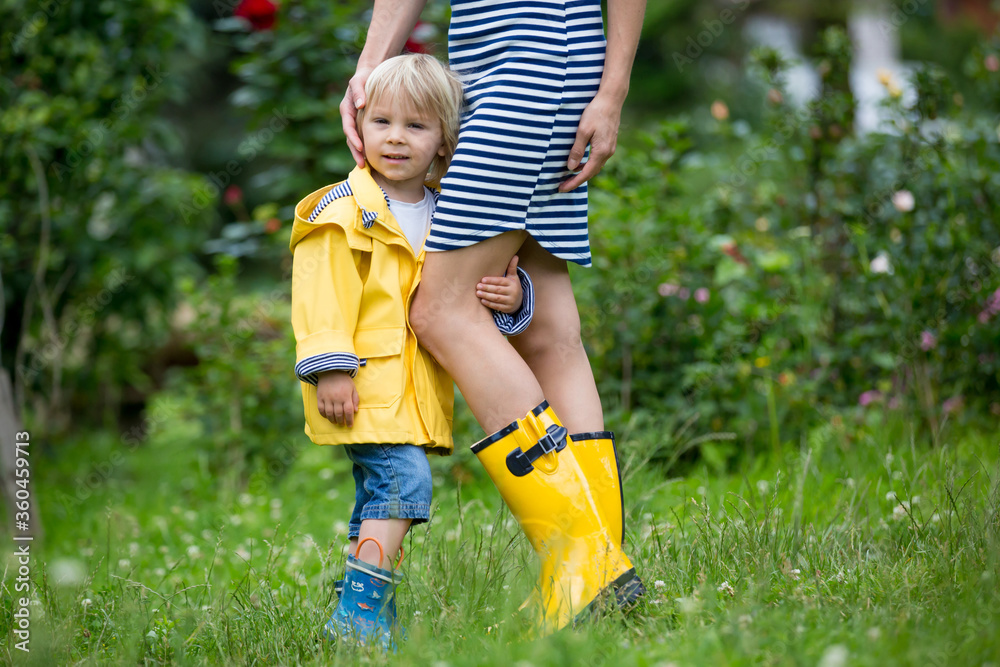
<point>862,547</point>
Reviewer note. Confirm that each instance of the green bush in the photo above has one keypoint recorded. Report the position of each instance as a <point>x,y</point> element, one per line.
<point>758,274</point>
<point>95,219</point>
<point>242,397</point>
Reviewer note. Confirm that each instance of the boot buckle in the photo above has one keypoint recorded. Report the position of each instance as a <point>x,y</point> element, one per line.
<point>520,462</point>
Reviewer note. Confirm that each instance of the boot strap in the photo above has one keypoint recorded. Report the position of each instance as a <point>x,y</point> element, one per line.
<point>520,462</point>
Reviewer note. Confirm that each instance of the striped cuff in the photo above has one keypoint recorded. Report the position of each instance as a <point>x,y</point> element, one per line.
<point>308,369</point>
<point>511,324</point>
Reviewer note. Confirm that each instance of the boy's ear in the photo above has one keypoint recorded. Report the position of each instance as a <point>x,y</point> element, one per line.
<point>441,150</point>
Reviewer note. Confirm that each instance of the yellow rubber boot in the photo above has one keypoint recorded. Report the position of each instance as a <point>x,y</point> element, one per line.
<point>598,457</point>
<point>546,490</point>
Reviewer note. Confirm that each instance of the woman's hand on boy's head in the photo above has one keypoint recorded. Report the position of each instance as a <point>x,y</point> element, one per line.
<point>354,99</point>
<point>502,293</point>
<point>337,398</point>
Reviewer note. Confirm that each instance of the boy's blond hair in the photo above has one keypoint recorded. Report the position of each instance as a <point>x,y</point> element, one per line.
<point>431,87</point>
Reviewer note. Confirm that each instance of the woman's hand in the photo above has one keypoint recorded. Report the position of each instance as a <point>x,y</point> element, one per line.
<point>600,120</point>
<point>599,129</point>
<point>502,293</point>
<point>337,398</point>
<point>354,99</point>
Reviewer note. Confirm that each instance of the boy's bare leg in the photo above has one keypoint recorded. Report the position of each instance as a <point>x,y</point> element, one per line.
<point>459,331</point>
<point>389,533</point>
<point>552,346</point>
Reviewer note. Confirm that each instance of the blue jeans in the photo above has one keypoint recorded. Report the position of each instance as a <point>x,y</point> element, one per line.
<point>390,482</point>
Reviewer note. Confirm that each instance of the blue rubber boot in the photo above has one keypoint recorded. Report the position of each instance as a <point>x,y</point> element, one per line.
<point>338,590</point>
<point>362,613</point>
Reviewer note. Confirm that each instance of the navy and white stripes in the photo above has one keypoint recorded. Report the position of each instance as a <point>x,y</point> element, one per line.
<point>344,190</point>
<point>529,68</point>
<point>308,369</point>
<point>511,324</point>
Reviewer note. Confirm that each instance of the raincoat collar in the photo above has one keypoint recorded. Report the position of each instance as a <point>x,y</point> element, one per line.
<point>376,218</point>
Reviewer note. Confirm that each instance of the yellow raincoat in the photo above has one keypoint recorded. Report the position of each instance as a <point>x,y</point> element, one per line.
<point>354,275</point>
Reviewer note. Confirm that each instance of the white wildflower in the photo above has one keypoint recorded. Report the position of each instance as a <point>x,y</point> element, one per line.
<point>727,588</point>
<point>834,656</point>
<point>903,201</point>
<point>881,264</point>
<point>659,583</point>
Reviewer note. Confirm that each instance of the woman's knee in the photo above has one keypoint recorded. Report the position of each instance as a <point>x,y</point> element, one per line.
<point>427,313</point>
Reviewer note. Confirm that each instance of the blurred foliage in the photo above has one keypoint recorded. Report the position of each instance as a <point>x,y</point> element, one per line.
<point>298,71</point>
<point>778,270</point>
<point>95,224</point>
<point>242,396</point>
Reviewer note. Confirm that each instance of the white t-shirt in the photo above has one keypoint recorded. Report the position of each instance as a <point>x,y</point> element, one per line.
<point>414,219</point>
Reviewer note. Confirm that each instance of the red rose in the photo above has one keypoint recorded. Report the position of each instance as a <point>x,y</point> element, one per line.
<point>420,39</point>
<point>260,13</point>
<point>233,195</point>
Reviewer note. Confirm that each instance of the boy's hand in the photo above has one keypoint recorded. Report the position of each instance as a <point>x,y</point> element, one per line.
<point>337,398</point>
<point>502,293</point>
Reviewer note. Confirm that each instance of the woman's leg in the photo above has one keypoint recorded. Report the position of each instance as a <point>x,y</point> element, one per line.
<point>459,331</point>
<point>551,345</point>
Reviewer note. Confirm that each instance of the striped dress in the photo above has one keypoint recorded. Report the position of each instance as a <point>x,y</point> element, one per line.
<point>529,68</point>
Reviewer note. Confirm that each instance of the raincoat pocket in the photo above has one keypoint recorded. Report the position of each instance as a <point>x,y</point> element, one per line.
<point>380,380</point>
